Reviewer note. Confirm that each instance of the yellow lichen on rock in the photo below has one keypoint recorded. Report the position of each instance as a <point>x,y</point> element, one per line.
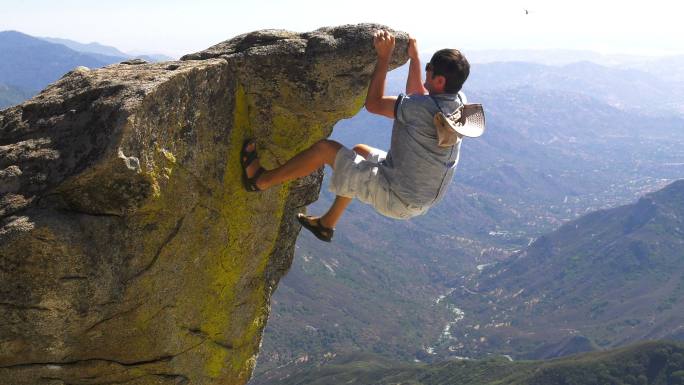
<point>240,207</point>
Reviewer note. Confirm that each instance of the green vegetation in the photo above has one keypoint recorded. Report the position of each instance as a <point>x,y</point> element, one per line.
<point>652,363</point>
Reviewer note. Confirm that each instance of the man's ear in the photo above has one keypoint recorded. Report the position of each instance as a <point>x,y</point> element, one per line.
<point>440,83</point>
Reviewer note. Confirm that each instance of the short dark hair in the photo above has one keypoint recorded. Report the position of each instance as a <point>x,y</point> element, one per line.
<point>451,64</point>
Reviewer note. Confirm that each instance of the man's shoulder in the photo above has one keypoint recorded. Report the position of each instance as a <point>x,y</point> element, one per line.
<point>416,97</point>
<point>430,101</point>
<point>414,110</point>
<point>412,101</point>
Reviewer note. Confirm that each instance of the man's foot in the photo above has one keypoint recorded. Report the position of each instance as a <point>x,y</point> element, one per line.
<point>314,225</point>
<point>251,169</point>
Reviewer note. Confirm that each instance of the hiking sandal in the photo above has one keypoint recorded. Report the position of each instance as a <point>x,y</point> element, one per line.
<point>313,224</point>
<point>246,159</point>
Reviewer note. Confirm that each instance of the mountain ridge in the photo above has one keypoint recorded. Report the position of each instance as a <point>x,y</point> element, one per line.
<point>656,363</point>
<point>624,88</point>
<point>92,47</point>
<point>31,63</point>
<point>532,171</point>
<point>106,50</point>
<point>615,276</point>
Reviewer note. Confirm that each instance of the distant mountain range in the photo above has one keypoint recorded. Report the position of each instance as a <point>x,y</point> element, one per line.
<point>92,48</point>
<point>624,88</point>
<point>28,64</point>
<point>99,49</point>
<point>667,68</point>
<point>611,277</point>
<point>549,156</point>
<point>31,64</point>
<point>654,363</point>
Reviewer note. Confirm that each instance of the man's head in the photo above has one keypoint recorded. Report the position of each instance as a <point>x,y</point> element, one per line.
<point>446,72</point>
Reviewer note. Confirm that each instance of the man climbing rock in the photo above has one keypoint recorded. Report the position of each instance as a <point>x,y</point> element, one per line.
<point>414,174</point>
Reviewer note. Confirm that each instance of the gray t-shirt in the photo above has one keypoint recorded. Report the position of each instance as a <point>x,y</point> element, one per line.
<point>417,169</point>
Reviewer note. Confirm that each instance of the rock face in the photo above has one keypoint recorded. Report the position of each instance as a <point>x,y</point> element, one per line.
<point>129,251</point>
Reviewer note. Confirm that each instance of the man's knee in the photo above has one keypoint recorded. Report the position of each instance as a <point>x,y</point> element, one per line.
<point>327,146</point>
<point>362,149</point>
<point>328,150</point>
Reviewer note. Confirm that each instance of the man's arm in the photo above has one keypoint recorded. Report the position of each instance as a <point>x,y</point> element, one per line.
<point>376,101</point>
<point>414,82</point>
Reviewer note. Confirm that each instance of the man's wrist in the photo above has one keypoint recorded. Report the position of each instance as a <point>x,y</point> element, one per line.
<point>383,59</point>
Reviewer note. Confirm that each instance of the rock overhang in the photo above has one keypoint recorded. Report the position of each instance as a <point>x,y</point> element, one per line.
<point>128,247</point>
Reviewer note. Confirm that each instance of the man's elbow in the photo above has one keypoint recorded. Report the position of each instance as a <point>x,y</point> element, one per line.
<point>372,106</point>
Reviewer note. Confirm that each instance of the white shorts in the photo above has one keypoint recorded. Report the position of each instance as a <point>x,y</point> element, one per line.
<point>356,177</point>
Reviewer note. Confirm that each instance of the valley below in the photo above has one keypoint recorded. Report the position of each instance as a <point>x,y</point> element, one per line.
<point>412,290</point>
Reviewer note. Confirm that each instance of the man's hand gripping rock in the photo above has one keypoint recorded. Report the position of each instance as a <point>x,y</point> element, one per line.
<point>383,41</point>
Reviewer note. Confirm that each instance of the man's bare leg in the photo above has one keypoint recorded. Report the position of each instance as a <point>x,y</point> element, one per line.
<point>321,153</point>
<point>334,213</point>
<point>303,164</point>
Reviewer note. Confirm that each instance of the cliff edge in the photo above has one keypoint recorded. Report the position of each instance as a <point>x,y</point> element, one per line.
<point>129,251</point>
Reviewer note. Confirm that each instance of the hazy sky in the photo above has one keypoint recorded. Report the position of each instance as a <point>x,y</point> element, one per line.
<point>176,27</point>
